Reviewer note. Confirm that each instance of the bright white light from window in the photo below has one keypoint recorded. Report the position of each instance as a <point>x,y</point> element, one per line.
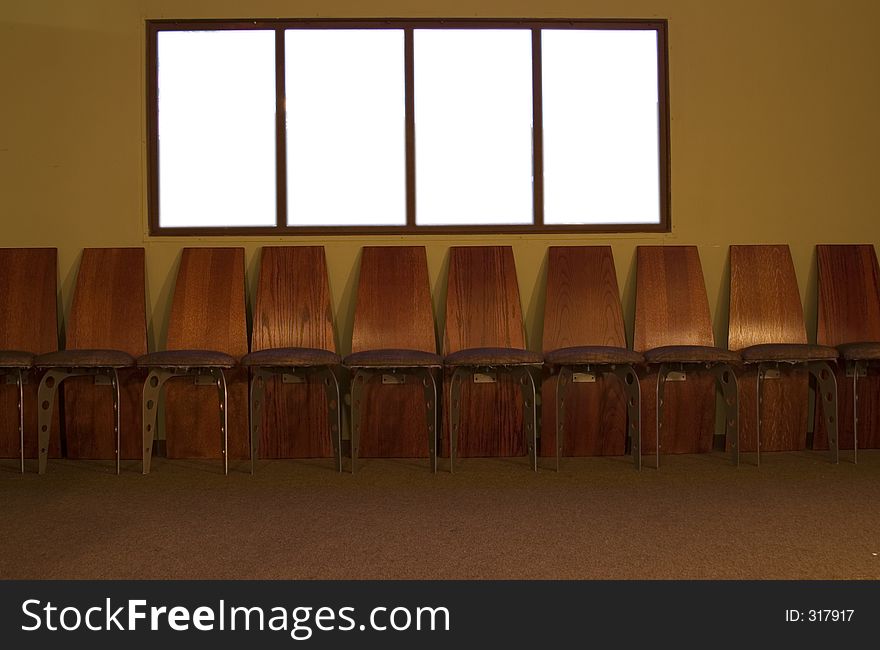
<point>473,119</point>
<point>346,128</point>
<point>216,128</point>
<point>601,142</point>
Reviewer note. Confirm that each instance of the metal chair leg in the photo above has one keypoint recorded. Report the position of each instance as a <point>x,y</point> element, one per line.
<point>357,388</point>
<point>826,384</point>
<point>857,367</point>
<point>117,416</point>
<point>430,395</point>
<point>633,393</point>
<point>759,380</point>
<point>334,412</point>
<point>563,381</point>
<point>530,419</point>
<point>46,399</point>
<point>255,421</point>
<point>150,406</point>
<point>661,389</point>
<point>455,409</point>
<point>727,380</point>
<point>220,379</point>
<point>20,384</point>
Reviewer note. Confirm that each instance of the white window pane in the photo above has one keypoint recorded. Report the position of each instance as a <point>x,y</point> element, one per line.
<point>216,128</point>
<point>601,138</point>
<point>346,128</point>
<point>473,119</point>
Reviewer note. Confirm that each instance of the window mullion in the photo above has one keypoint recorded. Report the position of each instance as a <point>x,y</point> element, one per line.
<point>537,132</point>
<point>280,132</point>
<point>409,98</point>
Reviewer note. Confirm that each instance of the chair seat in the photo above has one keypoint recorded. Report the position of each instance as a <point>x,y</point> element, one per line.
<point>186,359</point>
<point>862,351</point>
<point>85,359</point>
<point>292,357</point>
<point>592,354</point>
<point>493,357</point>
<point>788,353</point>
<point>16,359</point>
<point>690,354</point>
<point>393,359</point>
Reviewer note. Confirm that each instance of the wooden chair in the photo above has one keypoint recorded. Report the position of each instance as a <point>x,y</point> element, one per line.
<point>106,331</point>
<point>207,333</point>
<point>849,319</point>
<point>673,330</point>
<point>484,336</point>
<point>293,342</point>
<point>28,326</point>
<point>584,340</point>
<point>394,338</point>
<point>767,327</point>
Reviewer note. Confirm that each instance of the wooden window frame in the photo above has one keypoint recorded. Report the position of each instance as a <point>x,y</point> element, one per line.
<point>153,27</point>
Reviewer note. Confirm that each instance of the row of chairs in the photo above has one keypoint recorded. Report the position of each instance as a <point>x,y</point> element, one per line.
<point>394,352</point>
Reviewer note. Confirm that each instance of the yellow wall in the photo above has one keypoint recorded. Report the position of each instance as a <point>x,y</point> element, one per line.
<point>775,135</point>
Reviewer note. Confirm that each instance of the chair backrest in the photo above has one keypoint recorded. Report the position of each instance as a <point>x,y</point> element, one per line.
<point>28,299</point>
<point>482,302</point>
<point>671,303</point>
<point>109,312</point>
<point>583,308</point>
<point>583,299</point>
<point>28,322</point>
<point>849,294</point>
<point>207,313</point>
<point>394,308</point>
<point>765,303</point>
<point>293,300</point>
<point>208,309</point>
<point>109,305</point>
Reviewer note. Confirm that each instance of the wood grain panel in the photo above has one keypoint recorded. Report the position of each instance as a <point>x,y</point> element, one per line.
<point>293,310</point>
<point>393,311</point>
<point>108,312</point>
<point>849,294</point>
<point>583,308</point>
<point>595,418</point>
<point>393,421</point>
<point>294,421</point>
<point>671,303</point>
<point>765,303</point>
<point>672,309</point>
<point>28,322</point>
<point>765,307</point>
<point>207,313</point>
<point>293,300</point>
<point>482,302</point>
<point>483,310</point>
<point>849,312</point>
<point>394,308</point>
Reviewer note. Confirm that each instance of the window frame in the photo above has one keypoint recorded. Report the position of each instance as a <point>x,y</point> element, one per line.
<point>281,228</point>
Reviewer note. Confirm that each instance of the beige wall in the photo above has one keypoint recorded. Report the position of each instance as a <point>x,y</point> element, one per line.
<point>775,135</point>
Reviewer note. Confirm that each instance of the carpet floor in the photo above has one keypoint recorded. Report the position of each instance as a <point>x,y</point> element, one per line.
<point>795,517</point>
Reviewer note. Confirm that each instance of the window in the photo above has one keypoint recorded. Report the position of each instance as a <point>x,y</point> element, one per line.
<point>396,126</point>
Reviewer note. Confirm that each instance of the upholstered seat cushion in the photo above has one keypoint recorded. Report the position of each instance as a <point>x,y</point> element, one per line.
<point>493,357</point>
<point>292,357</point>
<point>592,354</point>
<point>788,352</point>
<point>85,359</point>
<point>16,359</point>
<point>862,351</point>
<point>186,359</point>
<point>393,359</point>
<point>690,354</point>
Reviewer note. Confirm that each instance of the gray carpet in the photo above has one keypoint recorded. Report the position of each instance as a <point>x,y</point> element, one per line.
<point>796,517</point>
